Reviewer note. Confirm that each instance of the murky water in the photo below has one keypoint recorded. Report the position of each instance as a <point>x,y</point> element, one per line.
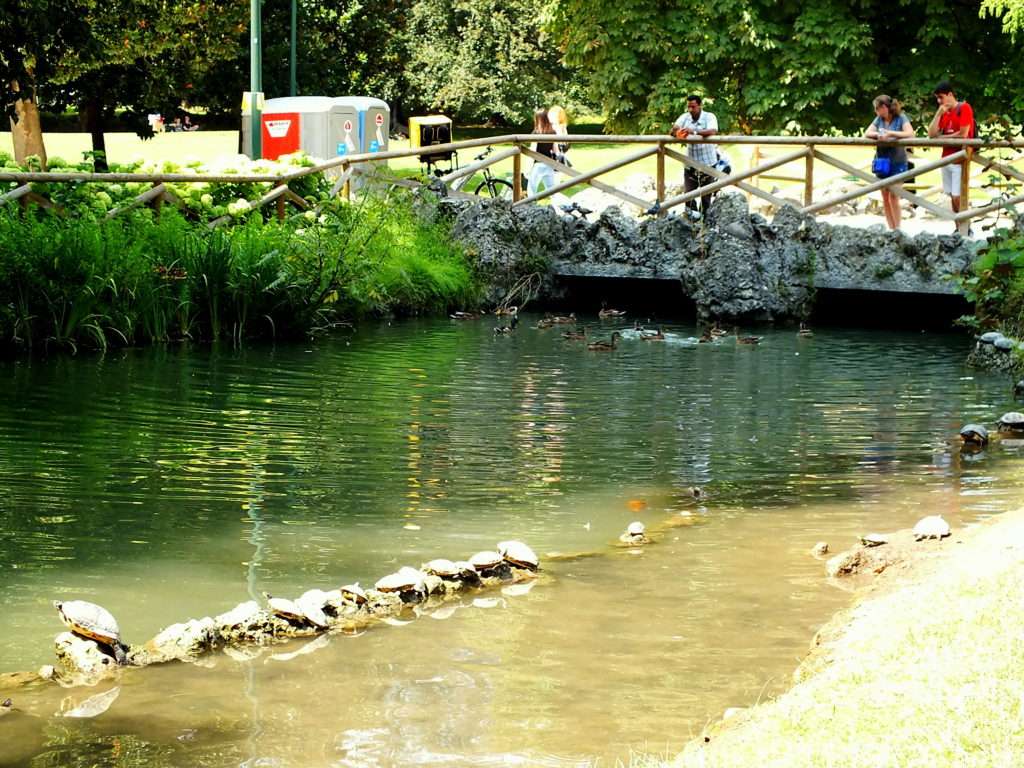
<point>173,483</point>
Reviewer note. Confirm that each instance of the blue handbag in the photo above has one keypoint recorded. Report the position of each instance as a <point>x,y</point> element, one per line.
<point>881,166</point>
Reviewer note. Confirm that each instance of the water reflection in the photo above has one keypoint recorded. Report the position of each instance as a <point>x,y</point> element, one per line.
<point>173,483</point>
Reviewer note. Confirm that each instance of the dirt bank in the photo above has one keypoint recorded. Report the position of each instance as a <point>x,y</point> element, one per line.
<point>924,669</point>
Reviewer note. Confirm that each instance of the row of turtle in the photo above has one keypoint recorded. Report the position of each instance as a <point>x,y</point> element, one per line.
<point>95,646</point>
<point>976,435</point>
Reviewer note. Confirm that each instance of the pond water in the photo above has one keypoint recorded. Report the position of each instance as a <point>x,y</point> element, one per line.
<point>173,483</point>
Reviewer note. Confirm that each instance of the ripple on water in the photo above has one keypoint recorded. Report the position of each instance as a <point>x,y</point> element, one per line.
<point>144,481</point>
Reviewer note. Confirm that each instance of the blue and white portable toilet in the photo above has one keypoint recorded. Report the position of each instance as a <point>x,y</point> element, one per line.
<point>374,121</point>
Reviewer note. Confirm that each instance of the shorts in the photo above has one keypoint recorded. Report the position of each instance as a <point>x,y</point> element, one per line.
<point>951,179</point>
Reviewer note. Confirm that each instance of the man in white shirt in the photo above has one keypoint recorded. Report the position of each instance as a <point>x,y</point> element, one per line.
<point>696,123</point>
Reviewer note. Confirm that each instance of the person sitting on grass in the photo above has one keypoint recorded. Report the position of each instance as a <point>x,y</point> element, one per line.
<point>889,124</point>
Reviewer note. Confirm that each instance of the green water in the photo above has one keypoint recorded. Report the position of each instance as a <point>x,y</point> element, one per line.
<point>173,483</point>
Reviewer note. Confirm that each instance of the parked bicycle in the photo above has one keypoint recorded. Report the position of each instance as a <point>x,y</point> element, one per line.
<point>491,186</point>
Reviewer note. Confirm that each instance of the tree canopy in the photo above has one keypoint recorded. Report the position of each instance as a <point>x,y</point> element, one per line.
<point>807,66</point>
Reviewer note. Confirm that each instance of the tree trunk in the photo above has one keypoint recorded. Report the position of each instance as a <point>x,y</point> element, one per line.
<point>94,124</point>
<point>27,132</point>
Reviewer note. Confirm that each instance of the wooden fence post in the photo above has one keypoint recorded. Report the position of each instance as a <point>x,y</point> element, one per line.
<point>280,202</point>
<point>809,176</point>
<point>517,175</point>
<point>660,182</point>
<point>963,227</point>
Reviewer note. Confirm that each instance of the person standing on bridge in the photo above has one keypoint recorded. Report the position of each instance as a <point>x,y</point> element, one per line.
<point>953,119</point>
<point>542,173</point>
<point>889,124</point>
<point>694,124</point>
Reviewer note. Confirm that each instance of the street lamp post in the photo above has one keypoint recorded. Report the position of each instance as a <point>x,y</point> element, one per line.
<point>255,76</point>
<point>293,80</point>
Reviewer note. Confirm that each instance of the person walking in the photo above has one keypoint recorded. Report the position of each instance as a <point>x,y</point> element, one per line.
<point>889,124</point>
<point>694,124</point>
<point>953,119</point>
<point>560,123</point>
<point>541,173</point>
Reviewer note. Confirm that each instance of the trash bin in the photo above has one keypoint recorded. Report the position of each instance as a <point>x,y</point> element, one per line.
<point>427,130</point>
<point>313,124</point>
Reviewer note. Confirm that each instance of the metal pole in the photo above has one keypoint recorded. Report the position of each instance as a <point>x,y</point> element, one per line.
<point>293,88</point>
<point>256,75</point>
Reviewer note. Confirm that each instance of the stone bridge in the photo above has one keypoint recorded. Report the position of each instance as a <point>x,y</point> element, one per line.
<point>732,265</point>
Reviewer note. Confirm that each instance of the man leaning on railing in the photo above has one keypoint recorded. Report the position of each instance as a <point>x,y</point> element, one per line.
<point>697,123</point>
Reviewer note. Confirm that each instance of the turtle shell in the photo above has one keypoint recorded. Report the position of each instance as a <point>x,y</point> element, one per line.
<point>446,569</point>
<point>312,606</point>
<point>931,527</point>
<point>406,579</point>
<point>286,609</point>
<point>89,620</point>
<point>975,434</point>
<point>1004,344</point>
<point>353,593</point>
<point>990,337</point>
<point>518,554</point>
<point>636,529</point>
<point>466,569</point>
<point>485,561</point>
<point>1013,420</point>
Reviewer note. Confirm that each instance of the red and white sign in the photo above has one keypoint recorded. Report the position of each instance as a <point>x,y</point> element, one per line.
<point>278,129</point>
<point>281,134</point>
<point>379,119</point>
<point>348,126</point>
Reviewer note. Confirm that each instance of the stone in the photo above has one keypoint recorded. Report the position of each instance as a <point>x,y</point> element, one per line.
<point>82,660</point>
<point>181,642</point>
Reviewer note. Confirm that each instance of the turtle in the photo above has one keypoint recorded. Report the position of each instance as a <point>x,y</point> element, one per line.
<point>990,337</point>
<point>1004,344</point>
<point>446,569</point>
<point>636,533</point>
<point>1013,421</point>
<point>293,612</point>
<point>6,707</point>
<point>931,527</point>
<point>874,539</point>
<point>403,581</point>
<point>974,434</point>
<point>94,623</point>
<point>484,562</point>
<point>312,605</point>
<point>518,554</point>
<point>353,593</point>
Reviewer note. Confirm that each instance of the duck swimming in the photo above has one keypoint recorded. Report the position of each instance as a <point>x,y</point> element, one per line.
<point>605,346</point>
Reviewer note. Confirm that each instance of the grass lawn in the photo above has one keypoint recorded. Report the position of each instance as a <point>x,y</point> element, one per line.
<point>206,145</point>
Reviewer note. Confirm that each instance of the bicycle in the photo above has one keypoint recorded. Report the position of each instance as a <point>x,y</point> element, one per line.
<point>491,186</point>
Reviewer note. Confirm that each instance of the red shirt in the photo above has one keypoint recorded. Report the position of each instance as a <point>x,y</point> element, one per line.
<point>951,123</point>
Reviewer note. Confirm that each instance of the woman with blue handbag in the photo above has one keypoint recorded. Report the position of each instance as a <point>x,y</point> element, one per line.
<point>889,124</point>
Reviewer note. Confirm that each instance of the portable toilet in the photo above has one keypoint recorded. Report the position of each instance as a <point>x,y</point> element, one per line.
<point>313,124</point>
<point>374,121</point>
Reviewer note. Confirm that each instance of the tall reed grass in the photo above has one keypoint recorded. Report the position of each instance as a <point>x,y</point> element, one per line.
<point>71,283</point>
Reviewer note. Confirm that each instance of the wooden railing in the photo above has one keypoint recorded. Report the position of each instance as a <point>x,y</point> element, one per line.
<point>972,153</point>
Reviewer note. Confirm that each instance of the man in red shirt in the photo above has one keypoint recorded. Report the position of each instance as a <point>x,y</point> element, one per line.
<point>952,120</point>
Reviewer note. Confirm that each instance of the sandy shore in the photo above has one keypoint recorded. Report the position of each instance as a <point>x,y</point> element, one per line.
<point>924,670</point>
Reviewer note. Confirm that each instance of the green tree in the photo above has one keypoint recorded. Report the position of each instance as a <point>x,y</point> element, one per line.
<point>484,59</point>
<point>767,66</point>
<point>1011,12</point>
<point>126,54</point>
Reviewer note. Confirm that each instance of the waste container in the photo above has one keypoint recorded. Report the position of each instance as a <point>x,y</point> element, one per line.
<point>313,124</point>
<point>427,130</point>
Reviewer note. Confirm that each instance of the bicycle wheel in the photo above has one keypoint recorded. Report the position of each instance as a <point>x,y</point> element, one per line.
<point>497,188</point>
